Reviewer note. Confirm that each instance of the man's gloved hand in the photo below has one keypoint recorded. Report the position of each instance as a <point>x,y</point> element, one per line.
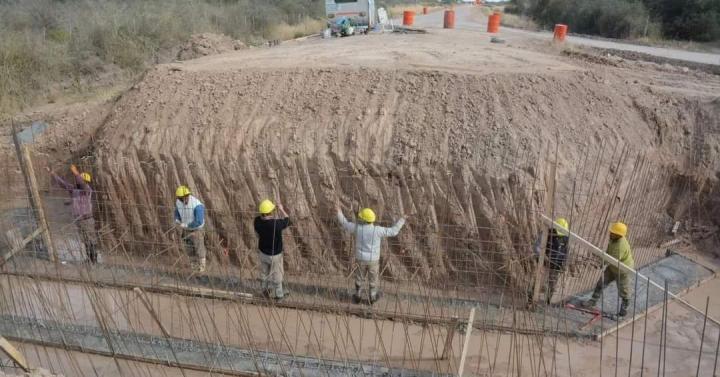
<point>184,226</point>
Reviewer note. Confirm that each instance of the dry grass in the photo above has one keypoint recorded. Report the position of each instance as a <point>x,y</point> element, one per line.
<point>518,22</point>
<point>307,26</point>
<point>51,48</point>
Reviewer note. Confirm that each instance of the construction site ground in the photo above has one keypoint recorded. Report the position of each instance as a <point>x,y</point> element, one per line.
<point>406,332</point>
<point>486,354</point>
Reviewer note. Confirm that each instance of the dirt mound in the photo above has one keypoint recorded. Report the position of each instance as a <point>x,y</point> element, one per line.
<point>465,153</point>
<point>205,44</point>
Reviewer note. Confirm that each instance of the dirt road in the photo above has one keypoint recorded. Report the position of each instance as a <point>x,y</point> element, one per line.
<point>470,18</point>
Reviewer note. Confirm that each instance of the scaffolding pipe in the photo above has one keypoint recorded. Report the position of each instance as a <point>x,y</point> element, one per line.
<point>614,262</point>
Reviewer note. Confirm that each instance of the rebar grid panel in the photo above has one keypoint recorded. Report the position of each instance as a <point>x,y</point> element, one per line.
<point>478,267</point>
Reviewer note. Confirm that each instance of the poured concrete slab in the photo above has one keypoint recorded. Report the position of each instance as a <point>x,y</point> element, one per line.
<point>679,272</point>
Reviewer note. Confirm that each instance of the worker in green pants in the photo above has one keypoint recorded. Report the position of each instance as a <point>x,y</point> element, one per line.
<point>618,248</point>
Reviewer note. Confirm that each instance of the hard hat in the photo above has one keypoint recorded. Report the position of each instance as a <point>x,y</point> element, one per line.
<point>367,215</point>
<point>564,224</point>
<point>86,177</point>
<point>266,207</point>
<point>182,191</point>
<point>618,228</point>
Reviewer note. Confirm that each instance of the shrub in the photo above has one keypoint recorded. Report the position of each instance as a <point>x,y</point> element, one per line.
<point>697,20</point>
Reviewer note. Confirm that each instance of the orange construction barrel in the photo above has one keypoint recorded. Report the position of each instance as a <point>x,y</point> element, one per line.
<point>425,10</point>
<point>560,32</point>
<point>494,23</point>
<point>408,18</point>
<point>449,19</point>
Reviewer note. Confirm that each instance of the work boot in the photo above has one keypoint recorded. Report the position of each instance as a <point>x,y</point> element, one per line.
<point>374,297</point>
<point>623,308</point>
<point>285,295</point>
<point>356,298</point>
<point>201,266</point>
<point>91,253</point>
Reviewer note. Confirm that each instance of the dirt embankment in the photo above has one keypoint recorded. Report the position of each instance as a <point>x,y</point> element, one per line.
<point>461,152</point>
<point>205,44</point>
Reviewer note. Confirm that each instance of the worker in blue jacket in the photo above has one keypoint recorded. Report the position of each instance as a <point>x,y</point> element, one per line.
<point>190,217</point>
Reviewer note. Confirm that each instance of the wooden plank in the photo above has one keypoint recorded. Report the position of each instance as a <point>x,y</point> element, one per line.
<point>26,166</point>
<point>468,332</point>
<point>204,292</point>
<point>14,354</point>
<point>20,246</point>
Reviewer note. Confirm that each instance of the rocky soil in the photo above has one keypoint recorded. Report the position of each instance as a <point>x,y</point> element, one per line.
<point>466,154</point>
<point>462,139</point>
<point>205,44</point>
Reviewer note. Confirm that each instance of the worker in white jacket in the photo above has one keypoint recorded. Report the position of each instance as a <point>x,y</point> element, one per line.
<point>190,218</point>
<point>368,237</point>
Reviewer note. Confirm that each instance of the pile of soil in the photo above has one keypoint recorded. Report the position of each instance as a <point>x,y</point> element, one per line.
<point>205,44</point>
<point>465,153</point>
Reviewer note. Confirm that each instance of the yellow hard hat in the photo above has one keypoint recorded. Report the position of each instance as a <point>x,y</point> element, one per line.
<point>618,228</point>
<point>182,191</point>
<point>86,177</point>
<point>563,223</point>
<point>266,207</point>
<point>367,215</point>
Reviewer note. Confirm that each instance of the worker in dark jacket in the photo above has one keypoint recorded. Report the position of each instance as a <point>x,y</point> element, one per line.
<point>269,227</point>
<point>82,210</point>
<point>556,252</point>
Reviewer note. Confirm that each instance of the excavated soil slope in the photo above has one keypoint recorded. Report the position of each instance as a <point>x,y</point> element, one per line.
<point>463,152</point>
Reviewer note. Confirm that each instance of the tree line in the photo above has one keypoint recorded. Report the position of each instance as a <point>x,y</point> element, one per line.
<point>693,20</point>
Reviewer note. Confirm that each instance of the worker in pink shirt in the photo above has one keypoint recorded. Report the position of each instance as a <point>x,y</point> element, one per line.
<point>82,210</point>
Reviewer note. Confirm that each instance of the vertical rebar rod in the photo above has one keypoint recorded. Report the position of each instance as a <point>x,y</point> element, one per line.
<point>665,336</point>
<point>632,327</point>
<point>661,364</point>
<point>702,337</point>
<point>647,301</point>
<point>717,350</point>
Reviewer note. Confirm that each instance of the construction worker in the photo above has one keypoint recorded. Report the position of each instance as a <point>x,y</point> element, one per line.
<point>367,249</point>
<point>190,217</point>
<point>556,251</point>
<point>82,209</point>
<point>269,226</point>
<point>618,248</point>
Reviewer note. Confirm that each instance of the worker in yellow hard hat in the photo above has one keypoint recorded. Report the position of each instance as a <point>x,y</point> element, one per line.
<point>368,237</point>
<point>618,248</point>
<point>190,218</point>
<point>556,251</point>
<point>81,194</point>
<point>269,226</point>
